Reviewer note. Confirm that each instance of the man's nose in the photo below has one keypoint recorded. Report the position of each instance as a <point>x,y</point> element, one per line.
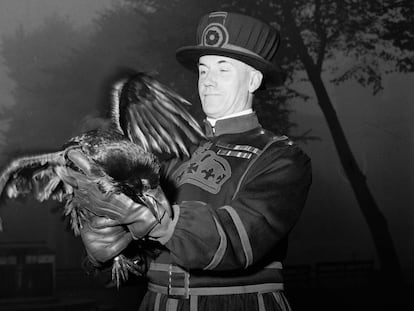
<point>210,79</point>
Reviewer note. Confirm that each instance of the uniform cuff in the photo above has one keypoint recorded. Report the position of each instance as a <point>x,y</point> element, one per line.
<point>167,234</point>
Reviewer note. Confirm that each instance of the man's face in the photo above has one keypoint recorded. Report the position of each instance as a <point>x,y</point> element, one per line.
<point>223,85</point>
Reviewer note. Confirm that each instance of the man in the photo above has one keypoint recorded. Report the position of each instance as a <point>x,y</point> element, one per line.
<point>236,198</point>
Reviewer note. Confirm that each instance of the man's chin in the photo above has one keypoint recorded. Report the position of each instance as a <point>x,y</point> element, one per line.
<point>212,108</point>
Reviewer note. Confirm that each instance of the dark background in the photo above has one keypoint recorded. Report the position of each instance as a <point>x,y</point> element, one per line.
<point>58,56</point>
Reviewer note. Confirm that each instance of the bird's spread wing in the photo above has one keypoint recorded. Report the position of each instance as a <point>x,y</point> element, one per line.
<point>154,116</point>
<point>31,174</point>
<point>45,176</point>
<point>35,175</point>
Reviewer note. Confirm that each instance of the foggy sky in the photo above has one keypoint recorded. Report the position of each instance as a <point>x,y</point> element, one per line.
<point>30,14</point>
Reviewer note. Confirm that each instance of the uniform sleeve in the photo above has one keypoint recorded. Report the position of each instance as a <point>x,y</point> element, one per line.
<point>264,208</point>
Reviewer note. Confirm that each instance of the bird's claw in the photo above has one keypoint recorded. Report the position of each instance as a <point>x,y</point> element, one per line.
<point>121,268</point>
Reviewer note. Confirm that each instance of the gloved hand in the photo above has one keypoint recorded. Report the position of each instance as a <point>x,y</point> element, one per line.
<point>93,192</point>
<point>103,239</point>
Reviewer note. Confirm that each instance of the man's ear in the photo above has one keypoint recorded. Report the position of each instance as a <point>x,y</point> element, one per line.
<point>256,78</point>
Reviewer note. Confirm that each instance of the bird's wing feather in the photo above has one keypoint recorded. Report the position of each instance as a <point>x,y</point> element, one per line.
<point>32,174</point>
<point>49,176</point>
<point>152,115</point>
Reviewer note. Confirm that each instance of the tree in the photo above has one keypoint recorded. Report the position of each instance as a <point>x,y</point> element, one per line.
<point>317,29</point>
<point>398,29</point>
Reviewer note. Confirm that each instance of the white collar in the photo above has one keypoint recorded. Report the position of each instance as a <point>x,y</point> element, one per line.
<point>236,114</point>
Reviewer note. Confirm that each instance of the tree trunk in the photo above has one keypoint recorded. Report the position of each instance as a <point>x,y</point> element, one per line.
<point>387,255</point>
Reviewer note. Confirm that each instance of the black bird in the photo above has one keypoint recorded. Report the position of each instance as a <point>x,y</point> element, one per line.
<point>147,119</point>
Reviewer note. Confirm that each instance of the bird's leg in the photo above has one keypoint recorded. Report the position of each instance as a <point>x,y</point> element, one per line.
<point>121,268</point>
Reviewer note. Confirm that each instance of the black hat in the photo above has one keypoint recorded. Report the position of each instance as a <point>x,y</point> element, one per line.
<point>237,36</point>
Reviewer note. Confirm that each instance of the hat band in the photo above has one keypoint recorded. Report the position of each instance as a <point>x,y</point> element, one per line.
<point>236,48</point>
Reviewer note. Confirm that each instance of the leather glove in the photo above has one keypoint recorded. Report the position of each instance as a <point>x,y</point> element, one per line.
<point>103,239</point>
<point>163,231</point>
<point>93,192</point>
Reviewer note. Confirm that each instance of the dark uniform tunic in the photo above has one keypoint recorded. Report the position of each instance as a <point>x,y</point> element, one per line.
<point>236,199</point>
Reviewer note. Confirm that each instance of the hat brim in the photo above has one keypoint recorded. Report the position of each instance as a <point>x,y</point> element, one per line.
<point>273,75</point>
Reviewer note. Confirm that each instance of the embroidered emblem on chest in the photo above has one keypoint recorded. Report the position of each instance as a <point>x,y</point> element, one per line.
<point>205,170</point>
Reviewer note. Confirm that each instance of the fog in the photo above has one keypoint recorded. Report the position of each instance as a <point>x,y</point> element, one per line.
<point>378,127</point>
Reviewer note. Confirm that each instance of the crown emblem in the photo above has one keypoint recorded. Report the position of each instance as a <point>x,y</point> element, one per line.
<point>205,170</point>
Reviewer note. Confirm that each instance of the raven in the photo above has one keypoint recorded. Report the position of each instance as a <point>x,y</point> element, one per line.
<point>147,119</point>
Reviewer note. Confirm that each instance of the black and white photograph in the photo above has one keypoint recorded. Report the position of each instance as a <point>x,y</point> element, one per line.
<point>184,155</point>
